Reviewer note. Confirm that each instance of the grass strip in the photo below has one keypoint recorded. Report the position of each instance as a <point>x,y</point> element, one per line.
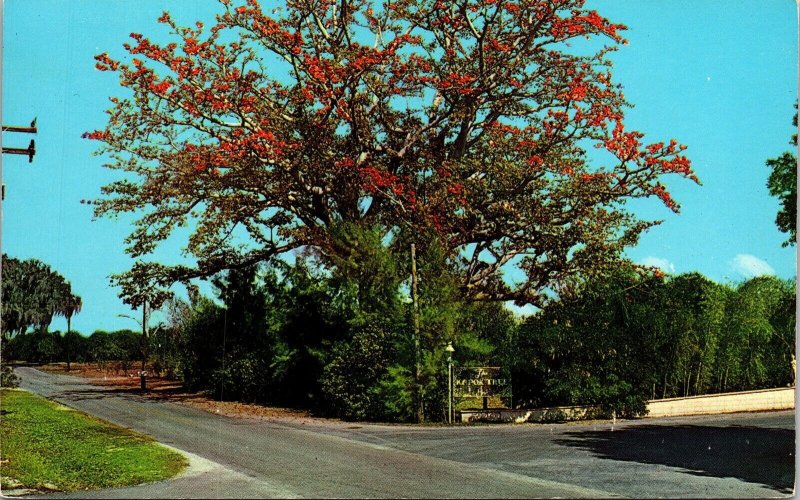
<point>45,445</point>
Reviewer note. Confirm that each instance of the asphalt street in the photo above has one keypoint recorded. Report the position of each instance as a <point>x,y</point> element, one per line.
<point>740,455</point>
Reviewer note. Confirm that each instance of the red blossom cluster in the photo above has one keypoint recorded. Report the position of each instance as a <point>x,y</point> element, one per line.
<point>105,63</point>
<point>456,189</point>
<point>624,145</point>
<point>535,161</point>
<point>662,193</point>
<point>96,135</point>
<point>161,88</point>
<point>376,179</point>
<point>461,83</point>
<point>582,24</point>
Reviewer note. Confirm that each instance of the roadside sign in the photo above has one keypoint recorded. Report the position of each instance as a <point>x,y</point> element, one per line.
<point>481,382</point>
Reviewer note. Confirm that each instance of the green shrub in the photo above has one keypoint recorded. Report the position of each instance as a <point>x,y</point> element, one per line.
<point>242,378</point>
<point>395,391</point>
<point>356,368</point>
<point>8,378</point>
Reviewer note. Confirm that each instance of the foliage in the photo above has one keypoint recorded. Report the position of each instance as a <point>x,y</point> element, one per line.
<point>365,286</point>
<point>760,320</point>
<point>336,336</point>
<point>695,309</point>
<point>164,349</point>
<point>38,347</point>
<point>241,377</point>
<point>331,334</point>
<point>47,443</point>
<point>591,347</point>
<point>470,120</point>
<point>8,379</point>
<point>308,329</point>
<point>101,347</point>
<point>33,294</point>
<point>267,335</point>
<point>782,183</point>
<point>199,343</point>
<point>622,340</point>
<point>316,340</point>
<point>123,346</point>
<point>395,391</point>
<point>356,367</point>
<point>47,349</point>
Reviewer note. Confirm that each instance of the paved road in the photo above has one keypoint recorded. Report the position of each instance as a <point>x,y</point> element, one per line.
<point>744,455</point>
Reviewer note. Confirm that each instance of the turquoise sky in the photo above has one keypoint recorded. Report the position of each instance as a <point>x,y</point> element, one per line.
<point>720,76</point>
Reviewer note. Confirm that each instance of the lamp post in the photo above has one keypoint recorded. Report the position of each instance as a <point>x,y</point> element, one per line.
<point>450,351</point>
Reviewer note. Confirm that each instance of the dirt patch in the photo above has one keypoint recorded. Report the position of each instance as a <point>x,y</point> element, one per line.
<point>172,390</point>
<point>110,375</point>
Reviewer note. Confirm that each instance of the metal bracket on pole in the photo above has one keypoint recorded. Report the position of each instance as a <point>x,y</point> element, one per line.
<point>24,130</point>
<point>30,151</point>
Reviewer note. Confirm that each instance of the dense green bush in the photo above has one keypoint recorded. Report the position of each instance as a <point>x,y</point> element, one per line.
<point>395,391</point>
<point>199,344</point>
<point>241,377</point>
<point>120,349</point>
<point>356,368</point>
<point>8,378</point>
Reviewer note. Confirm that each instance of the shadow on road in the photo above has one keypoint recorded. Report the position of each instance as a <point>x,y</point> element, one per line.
<point>99,393</point>
<point>174,394</point>
<point>752,454</point>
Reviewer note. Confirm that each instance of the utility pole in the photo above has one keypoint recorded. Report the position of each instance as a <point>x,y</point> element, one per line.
<point>417,352</point>
<point>29,152</point>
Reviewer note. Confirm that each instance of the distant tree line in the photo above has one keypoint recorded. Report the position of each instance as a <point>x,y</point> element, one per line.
<point>624,339</point>
<point>336,337</point>
<point>33,294</point>
<point>110,350</point>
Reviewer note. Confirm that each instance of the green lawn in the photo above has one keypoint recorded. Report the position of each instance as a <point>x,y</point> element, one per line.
<point>42,443</point>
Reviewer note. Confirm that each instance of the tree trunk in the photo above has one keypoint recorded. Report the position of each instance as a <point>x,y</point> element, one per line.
<point>68,338</point>
<point>417,352</point>
<point>697,379</point>
<point>686,380</point>
<point>725,380</point>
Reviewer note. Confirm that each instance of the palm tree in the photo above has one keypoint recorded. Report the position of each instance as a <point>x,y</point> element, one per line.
<point>33,294</point>
<point>72,305</point>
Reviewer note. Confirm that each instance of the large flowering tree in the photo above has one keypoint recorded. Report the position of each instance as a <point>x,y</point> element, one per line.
<point>470,120</point>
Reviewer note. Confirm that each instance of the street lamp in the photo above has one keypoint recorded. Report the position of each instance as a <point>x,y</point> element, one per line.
<point>450,350</point>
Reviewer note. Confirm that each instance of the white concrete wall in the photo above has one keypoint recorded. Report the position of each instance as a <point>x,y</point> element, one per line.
<point>730,402</point>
